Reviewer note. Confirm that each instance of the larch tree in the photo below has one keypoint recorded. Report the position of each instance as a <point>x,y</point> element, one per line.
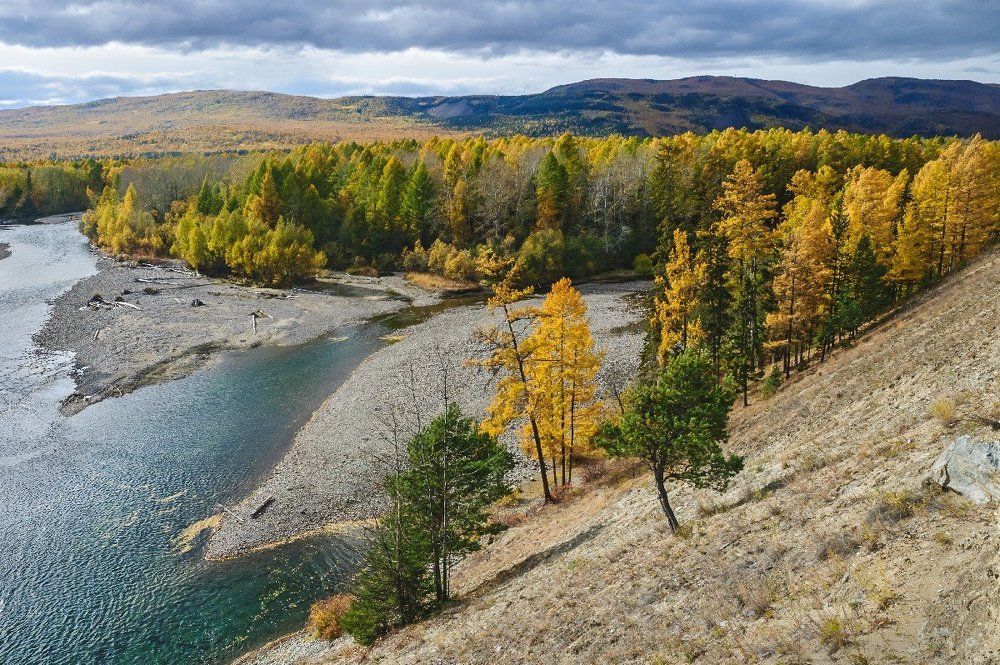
<point>746,213</point>
<point>510,350</point>
<point>563,371</point>
<point>802,283</point>
<point>872,201</point>
<point>676,307</point>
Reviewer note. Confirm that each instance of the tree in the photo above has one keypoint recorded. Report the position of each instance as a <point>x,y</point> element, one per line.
<point>563,371</point>
<point>510,352</point>
<point>437,512</point>
<point>802,283</point>
<point>746,211</point>
<point>677,305</point>
<point>676,423</point>
<point>456,471</point>
<point>417,206</point>
<point>872,199</point>
<point>551,190</point>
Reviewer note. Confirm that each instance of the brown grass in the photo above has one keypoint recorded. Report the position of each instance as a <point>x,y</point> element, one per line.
<point>432,282</point>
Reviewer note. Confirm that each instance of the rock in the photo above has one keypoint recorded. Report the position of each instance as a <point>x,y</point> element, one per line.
<point>970,467</point>
<point>197,303</point>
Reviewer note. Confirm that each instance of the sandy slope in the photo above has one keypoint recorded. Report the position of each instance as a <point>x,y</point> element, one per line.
<point>830,548</point>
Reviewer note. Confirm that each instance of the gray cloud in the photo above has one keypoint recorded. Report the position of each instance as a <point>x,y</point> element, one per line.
<point>20,88</point>
<point>813,30</point>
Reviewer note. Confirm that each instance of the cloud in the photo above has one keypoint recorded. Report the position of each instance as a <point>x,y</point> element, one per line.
<point>22,88</point>
<point>811,30</point>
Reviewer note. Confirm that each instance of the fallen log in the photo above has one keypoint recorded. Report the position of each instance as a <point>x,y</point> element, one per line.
<point>262,507</point>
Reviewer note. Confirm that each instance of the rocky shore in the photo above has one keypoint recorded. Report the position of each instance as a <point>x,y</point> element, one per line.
<point>329,473</point>
<point>131,325</point>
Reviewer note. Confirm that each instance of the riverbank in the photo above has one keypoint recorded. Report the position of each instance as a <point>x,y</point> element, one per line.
<point>330,471</point>
<point>157,323</point>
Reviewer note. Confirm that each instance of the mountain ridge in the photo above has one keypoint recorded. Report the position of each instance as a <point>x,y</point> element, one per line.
<point>896,106</point>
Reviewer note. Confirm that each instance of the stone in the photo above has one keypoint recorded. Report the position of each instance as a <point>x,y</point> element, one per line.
<point>970,467</point>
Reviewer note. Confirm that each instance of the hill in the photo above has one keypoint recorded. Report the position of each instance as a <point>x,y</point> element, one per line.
<point>831,547</point>
<point>217,120</point>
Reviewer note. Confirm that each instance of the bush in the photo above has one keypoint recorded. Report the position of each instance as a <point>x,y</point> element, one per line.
<point>643,265</point>
<point>415,260</point>
<point>461,266</point>
<point>437,256</point>
<point>540,259</point>
<point>325,616</point>
<point>359,267</point>
<point>772,382</point>
<point>944,410</point>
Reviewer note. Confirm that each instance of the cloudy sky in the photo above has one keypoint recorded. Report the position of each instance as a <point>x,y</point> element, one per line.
<point>59,51</point>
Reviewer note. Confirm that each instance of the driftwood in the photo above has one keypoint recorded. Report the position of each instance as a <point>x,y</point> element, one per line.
<point>97,301</point>
<point>258,314</point>
<point>262,507</point>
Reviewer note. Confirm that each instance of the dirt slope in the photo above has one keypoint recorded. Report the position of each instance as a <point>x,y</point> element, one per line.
<point>830,548</point>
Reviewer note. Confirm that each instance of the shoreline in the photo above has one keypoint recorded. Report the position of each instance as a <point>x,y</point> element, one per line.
<point>326,476</point>
<point>148,329</point>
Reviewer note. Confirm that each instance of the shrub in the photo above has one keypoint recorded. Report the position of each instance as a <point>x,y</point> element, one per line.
<point>643,264</point>
<point>437,256</point>
<point>772,382</point>
<point>460,265</point>
<point>944,410</point>
<point>836,545</point>
<point>896,505</point>
<point>415,260</point>
<point>325,616</point>
<point>833,634</point>
<point>359,267</point>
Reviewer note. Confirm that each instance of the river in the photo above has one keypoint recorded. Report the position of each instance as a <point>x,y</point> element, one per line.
<point>92,569</point>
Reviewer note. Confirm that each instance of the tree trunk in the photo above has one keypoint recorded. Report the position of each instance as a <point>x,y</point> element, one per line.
<point>661,490</point>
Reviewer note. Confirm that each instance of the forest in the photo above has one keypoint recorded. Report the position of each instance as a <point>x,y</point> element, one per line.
<point>764,244</point>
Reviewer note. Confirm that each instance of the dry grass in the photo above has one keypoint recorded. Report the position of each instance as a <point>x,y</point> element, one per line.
<point>944,410</point>
<point>432,282</point>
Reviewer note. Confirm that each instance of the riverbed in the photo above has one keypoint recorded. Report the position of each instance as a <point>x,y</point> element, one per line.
<point>101,545</point>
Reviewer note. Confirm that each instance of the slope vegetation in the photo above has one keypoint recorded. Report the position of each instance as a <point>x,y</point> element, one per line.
<point>831,547</point>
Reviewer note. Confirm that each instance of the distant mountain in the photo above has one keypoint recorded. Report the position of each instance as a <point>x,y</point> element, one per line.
<point>226,120</point>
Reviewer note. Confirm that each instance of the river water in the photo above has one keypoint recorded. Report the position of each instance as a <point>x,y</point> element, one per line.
<point>92,569</point>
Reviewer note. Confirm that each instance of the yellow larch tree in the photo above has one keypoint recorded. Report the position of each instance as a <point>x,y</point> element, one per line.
<point>510,351</point>
<point>802,283</point>
<point>562,371</point>
<point>872,199</point>
<point>675,309</point>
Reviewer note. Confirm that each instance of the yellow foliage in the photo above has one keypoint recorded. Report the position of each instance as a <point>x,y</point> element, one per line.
<point>675,307</point>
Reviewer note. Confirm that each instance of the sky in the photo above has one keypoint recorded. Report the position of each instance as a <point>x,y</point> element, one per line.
<point>58,51</point>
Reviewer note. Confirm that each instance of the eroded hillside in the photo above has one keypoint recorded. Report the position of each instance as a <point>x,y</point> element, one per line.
<point>830,547</point>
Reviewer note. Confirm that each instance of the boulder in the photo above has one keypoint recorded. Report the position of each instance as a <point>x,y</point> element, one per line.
<point>970,467</point>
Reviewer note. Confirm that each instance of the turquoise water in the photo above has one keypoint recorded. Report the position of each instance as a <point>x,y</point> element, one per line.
<point>91,505</point>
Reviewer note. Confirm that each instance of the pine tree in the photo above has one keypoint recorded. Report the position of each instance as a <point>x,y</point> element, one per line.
<point>551,190</point>
<point>676,423</point>
<point>417,206</point>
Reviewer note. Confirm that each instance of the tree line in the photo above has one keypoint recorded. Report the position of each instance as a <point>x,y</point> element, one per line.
<point>550,207</point>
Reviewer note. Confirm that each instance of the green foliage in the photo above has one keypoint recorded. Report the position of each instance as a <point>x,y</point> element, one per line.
<point>643,265</point>
<point>437,514</point>
<point>676,422</point>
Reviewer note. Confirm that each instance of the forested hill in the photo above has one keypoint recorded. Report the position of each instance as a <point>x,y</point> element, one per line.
<point>225,120</point>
